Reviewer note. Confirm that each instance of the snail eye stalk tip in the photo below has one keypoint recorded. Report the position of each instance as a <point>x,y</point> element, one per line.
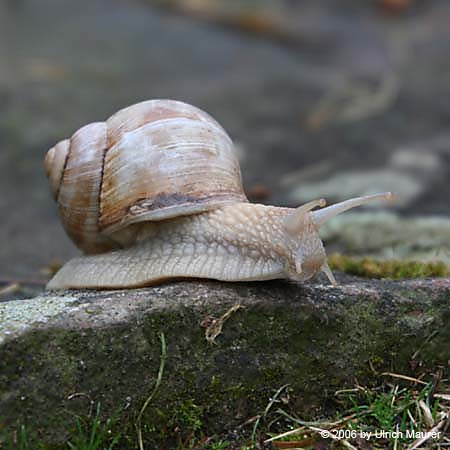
<point>323,215</point>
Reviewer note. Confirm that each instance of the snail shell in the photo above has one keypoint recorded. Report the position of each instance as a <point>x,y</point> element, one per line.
<point>147,162</point>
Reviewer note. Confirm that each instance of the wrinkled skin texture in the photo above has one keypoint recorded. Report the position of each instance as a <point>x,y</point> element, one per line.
<point>238,242</point>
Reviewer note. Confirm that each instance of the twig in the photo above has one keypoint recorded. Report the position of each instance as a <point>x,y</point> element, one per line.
<point>394,394</point>
<point>10,289</point>
<point>150,398</point>
<point>396,438</point>
<point>316,427</point>
<point>350,103</point>
<point>328,434</point>
<point>347,391</point>
<point>287,433</point>
<point>403,377</point>
<point>427,416</point>
<point>79,394</point>
<point>323,424</point>
<point>411,418</point>
<point>428,435</point>
<point>295,444</point>
<point>266,23</point>
<point>215,328</point>
<point>266,410</point>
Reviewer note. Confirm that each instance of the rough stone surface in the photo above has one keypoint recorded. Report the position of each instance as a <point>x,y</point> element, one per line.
<point>60,354</point>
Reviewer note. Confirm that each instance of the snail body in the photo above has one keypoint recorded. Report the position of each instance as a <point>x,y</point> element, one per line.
<point>155,193</point>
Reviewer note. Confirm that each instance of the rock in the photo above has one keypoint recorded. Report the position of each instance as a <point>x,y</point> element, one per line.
<point>63,353</point>
<point>387,235</point>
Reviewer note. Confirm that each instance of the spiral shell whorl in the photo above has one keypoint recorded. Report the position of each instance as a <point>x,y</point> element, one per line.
<point>55,161</point>
<point>151,161</point>
<point>135,116</point>
<point>79,187</point>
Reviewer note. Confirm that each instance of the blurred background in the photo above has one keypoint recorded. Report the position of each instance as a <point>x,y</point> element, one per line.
<point>323,98</point>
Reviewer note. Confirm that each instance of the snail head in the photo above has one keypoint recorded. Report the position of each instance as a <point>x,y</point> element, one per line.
<point>302,226</point>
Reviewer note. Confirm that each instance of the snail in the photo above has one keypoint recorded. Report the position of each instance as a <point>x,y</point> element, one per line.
<point>155,193</point>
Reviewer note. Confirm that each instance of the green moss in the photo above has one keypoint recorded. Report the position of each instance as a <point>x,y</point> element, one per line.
<point>393,268</point>
<point>187,416</point>
<point>206,388</point>
<point>389,405</point>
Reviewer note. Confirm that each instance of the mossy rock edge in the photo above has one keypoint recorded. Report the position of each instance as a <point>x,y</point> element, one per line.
<point>62,353</point>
